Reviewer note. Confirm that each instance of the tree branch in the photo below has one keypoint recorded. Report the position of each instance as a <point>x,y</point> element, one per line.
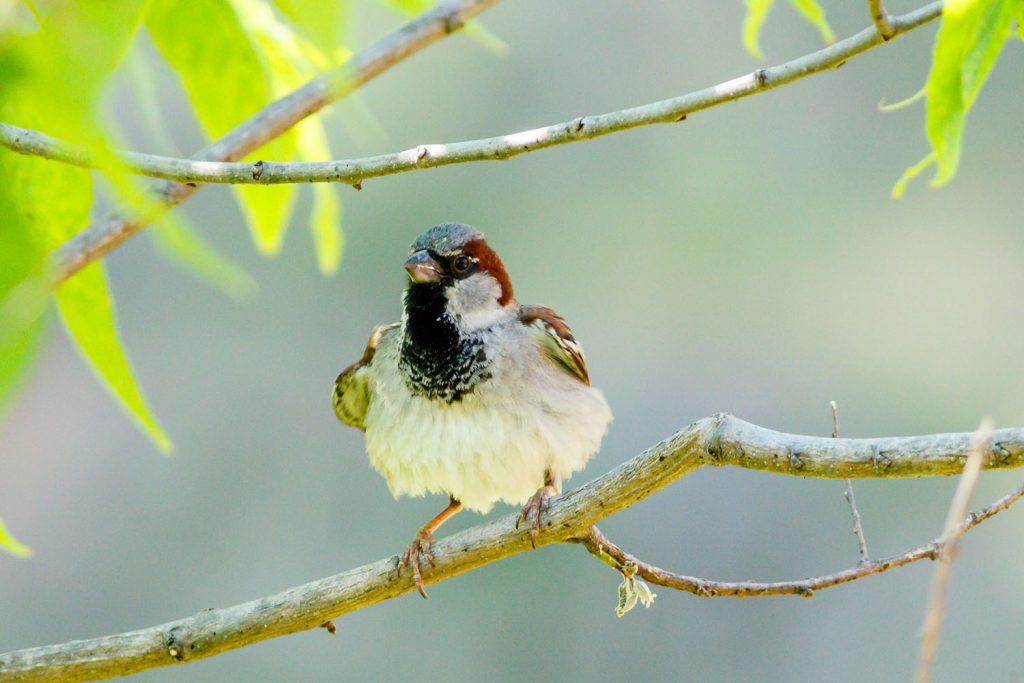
<point>598,544</point>
<point>355,171</point>
<point>718,440</point>
<point>277,117</point>
<point>217,163</point>
<point>884,23</point>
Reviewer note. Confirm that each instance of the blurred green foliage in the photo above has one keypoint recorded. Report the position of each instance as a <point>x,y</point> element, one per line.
<point>972,34</point>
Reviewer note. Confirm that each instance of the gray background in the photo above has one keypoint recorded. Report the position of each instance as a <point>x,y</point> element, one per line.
<point>749,260</point>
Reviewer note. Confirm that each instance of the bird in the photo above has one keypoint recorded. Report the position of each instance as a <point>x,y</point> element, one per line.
<point>471,394</point>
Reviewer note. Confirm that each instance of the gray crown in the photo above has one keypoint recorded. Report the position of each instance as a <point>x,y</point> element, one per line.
<point>446,238</point>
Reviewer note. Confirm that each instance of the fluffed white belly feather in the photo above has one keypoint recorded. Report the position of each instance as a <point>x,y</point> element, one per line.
<point>495,443</point>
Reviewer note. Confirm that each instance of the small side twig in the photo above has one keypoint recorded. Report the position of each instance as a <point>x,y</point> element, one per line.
<point>932,628</point>
<point>598,544</point>
<point>858,528</point>
<point>881,19</point>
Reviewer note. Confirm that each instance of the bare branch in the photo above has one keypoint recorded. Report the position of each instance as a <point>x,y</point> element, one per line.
<point>599,545</point>
<point>858,529</point>
<point>277,117</point>
<point>718,440</point>
<point>101,238</point>
<point>883,22</point>
<point>932,628</point>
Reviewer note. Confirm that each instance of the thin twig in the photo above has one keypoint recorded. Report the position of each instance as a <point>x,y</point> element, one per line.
<point>279,116</point>
<point>99,239</point>
<point>598,544</point>
<point>717,440</point>
<point>882,20</point>
<point>932,628</point>
<point>858,529</point>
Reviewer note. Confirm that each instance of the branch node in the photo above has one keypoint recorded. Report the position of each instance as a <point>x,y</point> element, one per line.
<point>422,153</point>
<point>329,626</point>
<point>578,123</point>
<point>357,185</point>
<point>257,170</point>
<point>795,461</point>
<point>881,461</point>
<point>453,22</point>
<point>1000,455</point>
<point>704,591</point>
<point>761,76</point>
<point>179,645</point>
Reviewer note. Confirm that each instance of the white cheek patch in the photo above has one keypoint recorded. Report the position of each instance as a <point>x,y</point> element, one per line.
<point>473,302</point>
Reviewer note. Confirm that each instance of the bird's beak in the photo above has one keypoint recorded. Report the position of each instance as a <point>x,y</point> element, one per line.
<point>422,267</point>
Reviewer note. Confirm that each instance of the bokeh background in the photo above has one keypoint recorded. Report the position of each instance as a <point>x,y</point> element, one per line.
<point>748,260</point>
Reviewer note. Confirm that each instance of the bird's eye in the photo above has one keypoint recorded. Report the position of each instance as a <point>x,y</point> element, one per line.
<point>461,264</point>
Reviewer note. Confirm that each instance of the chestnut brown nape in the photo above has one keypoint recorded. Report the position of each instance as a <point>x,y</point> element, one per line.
<point>491,262</point>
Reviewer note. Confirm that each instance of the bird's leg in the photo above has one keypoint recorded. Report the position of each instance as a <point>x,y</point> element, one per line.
<point>420,546</point>
<point>539,502</point>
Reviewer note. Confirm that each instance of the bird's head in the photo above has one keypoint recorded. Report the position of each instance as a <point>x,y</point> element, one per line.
<point>453,261</point>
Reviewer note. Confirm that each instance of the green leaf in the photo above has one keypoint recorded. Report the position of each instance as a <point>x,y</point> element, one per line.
<point>192,36</point>
<point>183,245</point>
<point>64,65</point>
<point>23,297</point>
<point>87,309</point>
<point>917,169</point>
<point>812,12</point>
<point>11,544</point>
<point>967,44</point>
<point>320,21</point>
<point>325,218</point>
<point>757,12</point>
<point>291,60</point>
<point>325,224</point>
<point>176,239</point>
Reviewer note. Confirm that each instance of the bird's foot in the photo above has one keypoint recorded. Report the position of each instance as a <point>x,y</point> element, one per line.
<point>418,551</point>
<point>534,508</point>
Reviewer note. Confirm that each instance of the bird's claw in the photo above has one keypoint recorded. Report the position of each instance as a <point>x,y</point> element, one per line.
<point>536,506</point>
<point>418,550</point>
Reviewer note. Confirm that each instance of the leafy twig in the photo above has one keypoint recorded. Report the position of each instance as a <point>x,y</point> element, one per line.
<point>99,239</point>
<point>277,117</point>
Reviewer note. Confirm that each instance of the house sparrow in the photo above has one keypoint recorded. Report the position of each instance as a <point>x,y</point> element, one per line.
<point>471,394</point>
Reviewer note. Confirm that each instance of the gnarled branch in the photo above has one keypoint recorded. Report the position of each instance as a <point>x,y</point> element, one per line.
<point>101,238</point>
<point>718,440</point>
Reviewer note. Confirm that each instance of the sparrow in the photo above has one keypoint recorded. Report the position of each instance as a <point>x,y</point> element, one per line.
<point>471,394</point>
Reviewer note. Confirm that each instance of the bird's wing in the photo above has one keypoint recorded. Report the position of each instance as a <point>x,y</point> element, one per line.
<point>352,388</point>
<point>556,340</point>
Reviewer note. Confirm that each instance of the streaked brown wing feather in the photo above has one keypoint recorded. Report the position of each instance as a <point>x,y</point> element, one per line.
<point>351,394</point>
<point>557,340</point>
